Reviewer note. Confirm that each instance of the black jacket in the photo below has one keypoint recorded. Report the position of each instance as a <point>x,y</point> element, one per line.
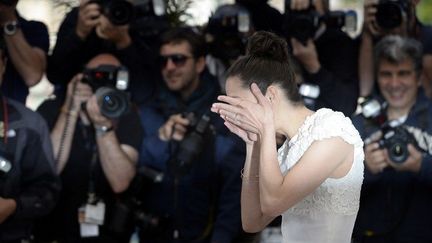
<point>32,181</point>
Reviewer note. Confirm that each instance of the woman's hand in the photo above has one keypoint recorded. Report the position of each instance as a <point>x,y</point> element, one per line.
<point>249,116</point>
<point>248,137</point>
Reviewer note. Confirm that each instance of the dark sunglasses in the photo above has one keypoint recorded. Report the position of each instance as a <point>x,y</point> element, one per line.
<point>178,59</point>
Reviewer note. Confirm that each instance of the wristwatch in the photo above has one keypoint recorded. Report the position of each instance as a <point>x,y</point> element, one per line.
<point>102,130</point>
<point>11,27</point>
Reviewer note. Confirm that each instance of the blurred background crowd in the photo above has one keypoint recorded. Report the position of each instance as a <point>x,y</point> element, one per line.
<point>107,135</point>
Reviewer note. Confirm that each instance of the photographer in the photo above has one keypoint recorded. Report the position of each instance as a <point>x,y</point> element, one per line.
<point>27,46</point>
<point>29,186</point>
<point>226,33</point>
<point>326,54</point>
<point>96,156</point>
<point>391,17</point>
<point>198,199</point>
<point>395,199</point>
<point>263,15</point>
<point>87,31</point>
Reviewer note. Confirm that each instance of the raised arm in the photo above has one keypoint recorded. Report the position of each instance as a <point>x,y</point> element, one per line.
<point>118,160</point>
<point>29,60</point>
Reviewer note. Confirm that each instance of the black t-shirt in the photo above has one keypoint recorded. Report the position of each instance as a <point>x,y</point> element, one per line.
<point>76,174</point>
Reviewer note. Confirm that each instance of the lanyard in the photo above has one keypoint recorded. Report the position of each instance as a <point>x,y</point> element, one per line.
<point>91,193</point>
<point>90,144</point>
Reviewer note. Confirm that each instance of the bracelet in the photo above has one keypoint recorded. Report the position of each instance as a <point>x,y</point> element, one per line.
<point>248,178</point>
<point>69,112</point>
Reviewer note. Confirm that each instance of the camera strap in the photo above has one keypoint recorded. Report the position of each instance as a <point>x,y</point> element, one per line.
<point>91,193</point>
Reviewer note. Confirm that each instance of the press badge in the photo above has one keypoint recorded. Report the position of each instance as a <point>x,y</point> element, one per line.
<point>95,214</point>
<point>90,216</point>
<point>89,230</point>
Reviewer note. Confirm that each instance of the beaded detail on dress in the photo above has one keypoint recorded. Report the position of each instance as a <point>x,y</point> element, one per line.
<point>342,195</point>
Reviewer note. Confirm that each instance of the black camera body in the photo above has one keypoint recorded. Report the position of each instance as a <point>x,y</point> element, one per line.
<point>193,143</point>
<point>109,83</point>
<point>303,25</point>
<point>122,12</point>
<point>396,140</point>
<point>128,212</point>
<point>227,31</point>
<point>391,13</point>
<point>8,2</point>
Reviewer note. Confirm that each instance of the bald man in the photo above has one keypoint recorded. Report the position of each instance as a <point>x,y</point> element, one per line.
<point>96,158</point>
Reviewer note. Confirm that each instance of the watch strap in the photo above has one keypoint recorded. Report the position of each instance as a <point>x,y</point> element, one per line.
<point>102,130</point>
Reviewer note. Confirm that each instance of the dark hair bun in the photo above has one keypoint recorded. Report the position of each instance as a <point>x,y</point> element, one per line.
<point>263,44</point>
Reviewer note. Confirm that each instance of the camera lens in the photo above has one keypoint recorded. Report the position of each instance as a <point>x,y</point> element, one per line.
<point>398,152</point>
<point>112,103</point>
<point>120,12</point>
<point>389,15</point>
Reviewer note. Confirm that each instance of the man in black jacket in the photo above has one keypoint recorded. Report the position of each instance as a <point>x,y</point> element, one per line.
<point>28,183</point>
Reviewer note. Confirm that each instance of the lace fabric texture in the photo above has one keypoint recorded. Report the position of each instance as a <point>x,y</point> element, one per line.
<point>327,214</point>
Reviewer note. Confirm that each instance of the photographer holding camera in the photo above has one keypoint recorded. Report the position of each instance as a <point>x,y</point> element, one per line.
<point>198,199</point>
<point>27,45</point>
<point>29,186</point>
<point>396,17</point>
<point>395,199</point>
<point>104,26</point>
<point>96,142</point>
<point>326,54</point>
<point>226,33</point>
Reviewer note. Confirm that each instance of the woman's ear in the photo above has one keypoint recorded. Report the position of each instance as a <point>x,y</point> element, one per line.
<point>272,94</point>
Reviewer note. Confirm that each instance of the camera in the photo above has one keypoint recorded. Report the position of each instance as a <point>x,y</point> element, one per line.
<point>8,2</point>
<point>391,13</point>
<point>109,84</point>
<point>6,158</point>
<point>227,31</point>
<point>303,24</point>
<point>310,93</point>
<point>395,138</point>
<point>192,144</point>
<point>128,213</point>
<point>5,165</point>
<point>121,12</point>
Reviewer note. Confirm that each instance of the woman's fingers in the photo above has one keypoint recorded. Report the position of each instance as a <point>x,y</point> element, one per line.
<point>230,100</point>
<point>226,107</point>
<point>258,94</point>
<point>243,124</point>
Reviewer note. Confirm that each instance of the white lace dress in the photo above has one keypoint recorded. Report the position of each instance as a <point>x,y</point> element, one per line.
<point>328,214</point>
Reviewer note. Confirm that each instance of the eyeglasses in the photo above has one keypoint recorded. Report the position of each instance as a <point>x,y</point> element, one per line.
<point>178,59</point>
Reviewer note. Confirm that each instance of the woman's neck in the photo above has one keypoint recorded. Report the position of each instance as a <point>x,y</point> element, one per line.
<point>291,118</point>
